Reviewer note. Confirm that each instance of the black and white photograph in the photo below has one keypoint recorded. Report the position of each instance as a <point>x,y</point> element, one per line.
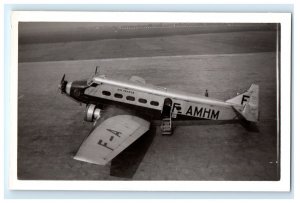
<point>151,101</point>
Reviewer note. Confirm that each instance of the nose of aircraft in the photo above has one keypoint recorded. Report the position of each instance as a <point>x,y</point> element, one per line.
<point>74,89</point>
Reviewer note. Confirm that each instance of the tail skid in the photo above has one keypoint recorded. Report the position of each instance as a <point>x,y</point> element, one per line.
<point>246,105</point>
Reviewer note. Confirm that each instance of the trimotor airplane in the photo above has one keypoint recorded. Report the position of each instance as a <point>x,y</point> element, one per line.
<point>122,111</point>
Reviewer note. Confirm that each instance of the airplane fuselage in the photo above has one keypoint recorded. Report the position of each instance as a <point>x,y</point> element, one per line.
<point>146,98</point>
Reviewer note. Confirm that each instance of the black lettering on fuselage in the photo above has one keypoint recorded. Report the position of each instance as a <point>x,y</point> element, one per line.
<point>206,111</point>
<point>189,111</point>
<point>198,113</point>
<point>177,106</point>
<point>114,132</point>
<point>214,115</point>
<point>201,112</point>
<point>126,91</point>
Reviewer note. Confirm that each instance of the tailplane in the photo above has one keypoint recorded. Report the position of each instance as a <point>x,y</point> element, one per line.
<point>246,105</point>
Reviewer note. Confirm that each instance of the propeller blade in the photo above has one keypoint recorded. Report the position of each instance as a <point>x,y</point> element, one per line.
<point>62,84</point>
<point>63,79</point>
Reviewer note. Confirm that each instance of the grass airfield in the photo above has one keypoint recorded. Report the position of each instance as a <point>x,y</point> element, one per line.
<point>51,126</point>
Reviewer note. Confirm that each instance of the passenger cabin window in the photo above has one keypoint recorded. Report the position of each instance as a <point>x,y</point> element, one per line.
<point>117,95</point>
<point>154,103</point>
<point>143,101</point>
<point>130,98</point>
<point>106,93</point>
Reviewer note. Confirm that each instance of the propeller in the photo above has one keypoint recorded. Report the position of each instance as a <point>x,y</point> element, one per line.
<point>62,85</point>
<point>63,78</point>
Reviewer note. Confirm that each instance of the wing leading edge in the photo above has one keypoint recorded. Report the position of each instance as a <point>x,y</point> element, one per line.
<point>110,138</point>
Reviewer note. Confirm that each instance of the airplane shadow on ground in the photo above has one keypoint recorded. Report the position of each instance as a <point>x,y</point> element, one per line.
<point>249,126</point>
<point>126,163</point>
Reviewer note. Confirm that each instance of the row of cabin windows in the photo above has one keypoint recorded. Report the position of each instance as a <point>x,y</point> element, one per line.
<point>130,98</point>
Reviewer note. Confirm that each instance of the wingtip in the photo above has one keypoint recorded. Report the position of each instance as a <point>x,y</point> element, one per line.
<point>98,162</point>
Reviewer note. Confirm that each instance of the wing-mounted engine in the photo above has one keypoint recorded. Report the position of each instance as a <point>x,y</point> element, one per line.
<point>92,113</point>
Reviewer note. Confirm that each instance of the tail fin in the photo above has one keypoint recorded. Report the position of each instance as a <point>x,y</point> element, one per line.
<point>247,104</point>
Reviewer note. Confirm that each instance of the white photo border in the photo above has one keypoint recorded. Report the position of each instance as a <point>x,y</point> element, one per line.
<point>284,19</point>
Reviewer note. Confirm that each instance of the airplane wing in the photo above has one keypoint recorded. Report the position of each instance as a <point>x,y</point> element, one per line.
<point>111,137</point>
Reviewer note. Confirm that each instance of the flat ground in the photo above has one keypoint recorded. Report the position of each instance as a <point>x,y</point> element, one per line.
<point>51,126</point>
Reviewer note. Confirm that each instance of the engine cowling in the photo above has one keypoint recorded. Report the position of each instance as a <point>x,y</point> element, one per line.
<point>92,113</point>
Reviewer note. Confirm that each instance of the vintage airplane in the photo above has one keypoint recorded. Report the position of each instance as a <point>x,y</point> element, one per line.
<point>122,111</point>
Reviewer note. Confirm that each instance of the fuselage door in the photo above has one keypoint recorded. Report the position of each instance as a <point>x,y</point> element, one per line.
<point>166,110</point>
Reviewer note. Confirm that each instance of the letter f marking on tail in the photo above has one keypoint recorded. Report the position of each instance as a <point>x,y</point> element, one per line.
<point>245,99</point>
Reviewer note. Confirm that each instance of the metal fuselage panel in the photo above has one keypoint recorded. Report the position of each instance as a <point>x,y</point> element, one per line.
<point>161,91</point>
<point>138,96</point>
<point>127,96</point>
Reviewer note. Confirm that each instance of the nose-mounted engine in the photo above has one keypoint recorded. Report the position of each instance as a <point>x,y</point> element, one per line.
<point>92,113</point>
<point>65,86</point>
